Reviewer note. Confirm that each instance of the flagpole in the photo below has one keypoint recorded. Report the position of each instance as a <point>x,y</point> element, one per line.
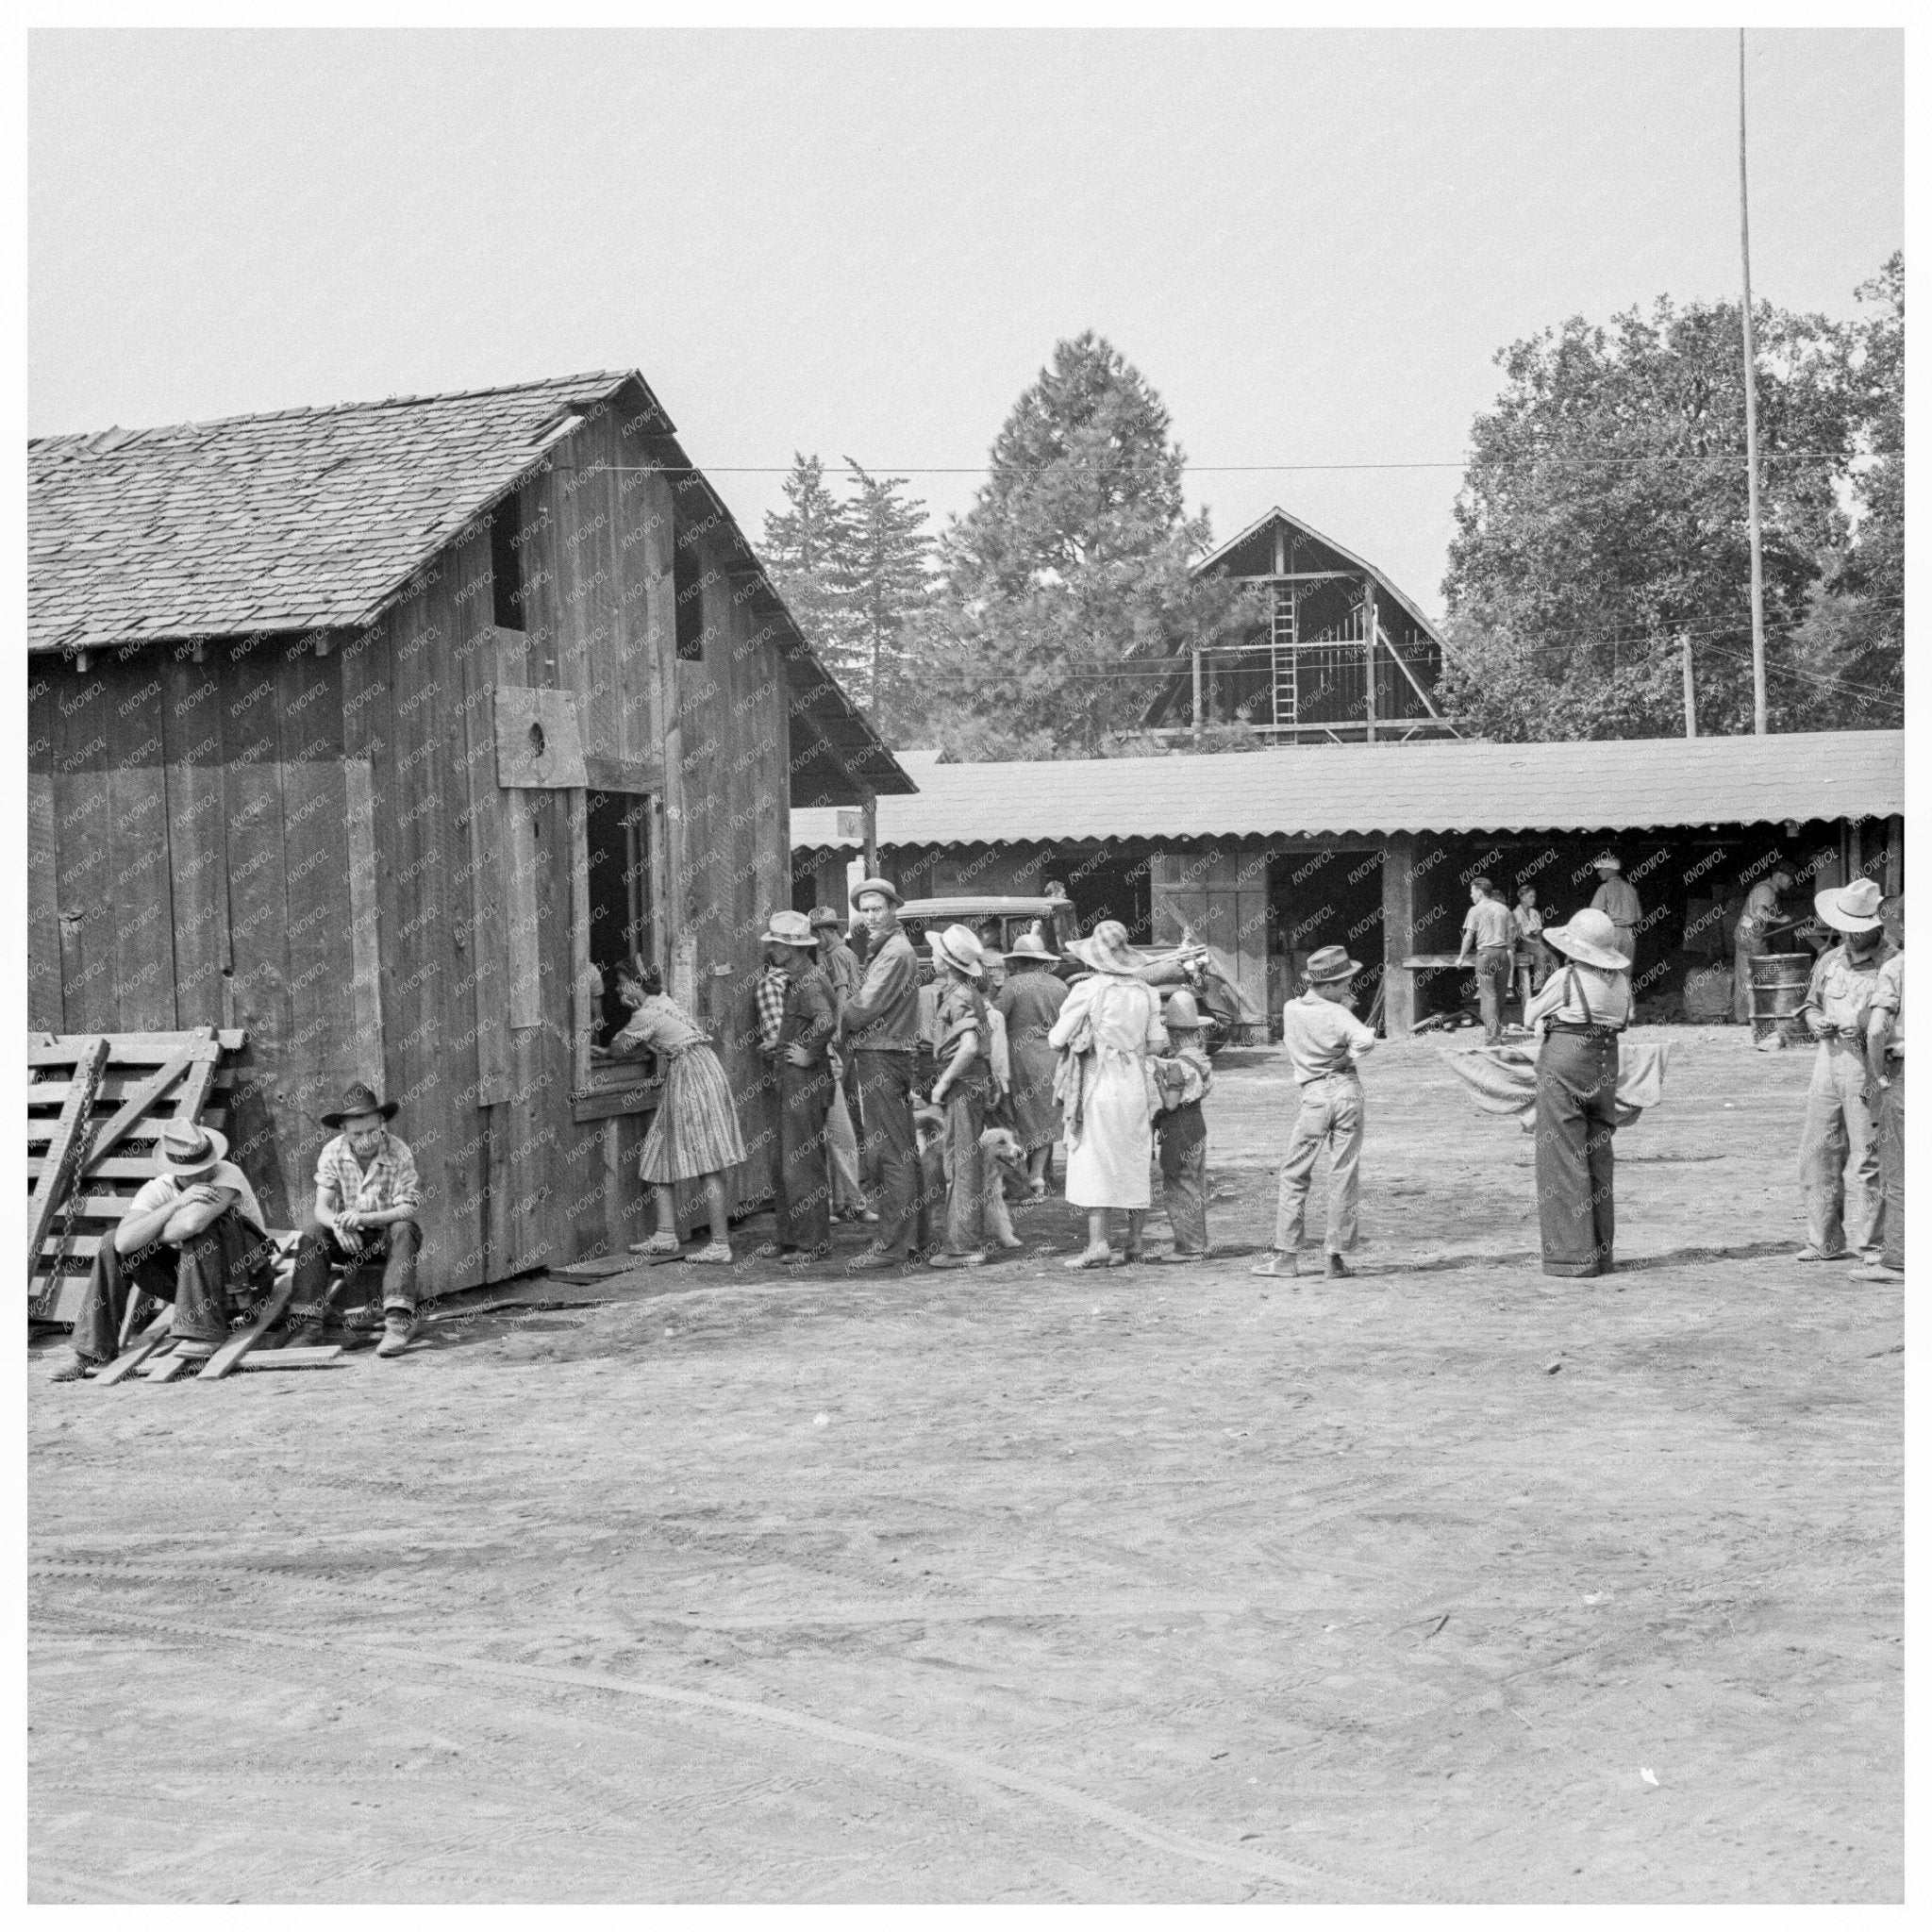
<point>1758,696</point>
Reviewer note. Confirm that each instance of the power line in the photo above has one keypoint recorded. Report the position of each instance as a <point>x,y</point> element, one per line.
<point>1724,456</point>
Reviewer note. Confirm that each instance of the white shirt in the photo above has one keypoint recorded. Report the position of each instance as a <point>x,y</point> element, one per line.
<point>166,1189</point>
<point>1322,1037</point>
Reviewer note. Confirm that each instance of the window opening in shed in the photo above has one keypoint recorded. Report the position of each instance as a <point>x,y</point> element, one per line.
<point>617,833</point>
<point>507,563</point>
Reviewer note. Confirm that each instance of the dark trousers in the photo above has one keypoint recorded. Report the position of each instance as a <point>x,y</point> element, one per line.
<point>974,1169</point>
<point>1575,1159</point>
<point>1892,1165</point>
<point>228,1262</point>
<point>889,1145</point>
<point>1183,1135</point>
<point>801,1193</point>
<point>390,1250</point>
<point>1494,968</point>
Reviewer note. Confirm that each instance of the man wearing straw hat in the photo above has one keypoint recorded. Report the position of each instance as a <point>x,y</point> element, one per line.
<point>1838,1157</point>
<point>963,1089</point>
<point>192,1236</point>
<point>1324,1042</point>
<point>879,1024</point>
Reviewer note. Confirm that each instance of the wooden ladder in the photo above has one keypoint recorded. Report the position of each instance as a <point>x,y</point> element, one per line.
<point>95,1107</point>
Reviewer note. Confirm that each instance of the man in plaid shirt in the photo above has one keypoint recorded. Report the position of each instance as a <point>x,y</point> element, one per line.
<point>770,991</point>
<point>367,1195</point>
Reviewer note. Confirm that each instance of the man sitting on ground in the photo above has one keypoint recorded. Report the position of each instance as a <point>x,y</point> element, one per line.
<point>366,1199</point>
<point>193,1236</point>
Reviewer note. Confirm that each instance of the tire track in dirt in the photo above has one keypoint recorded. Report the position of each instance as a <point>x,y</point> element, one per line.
<point>960,1763</point>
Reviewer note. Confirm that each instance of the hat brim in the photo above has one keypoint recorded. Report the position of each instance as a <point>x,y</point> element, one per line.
<point>881,887</point>
<point>1347,972</point>
<point>389,1109</point>
<point>946,957</point>
<point>1585,952</point>
<point>1828,907</point>
<point>786,939</point>
<point>218,1152</point>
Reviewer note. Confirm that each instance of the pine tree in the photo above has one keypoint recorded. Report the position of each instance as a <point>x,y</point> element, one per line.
<point>804,551</point>
<point>1073,564</point>
<point>881,573</point>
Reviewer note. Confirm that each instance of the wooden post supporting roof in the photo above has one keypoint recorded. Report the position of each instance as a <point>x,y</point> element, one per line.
<point>1398,933</point>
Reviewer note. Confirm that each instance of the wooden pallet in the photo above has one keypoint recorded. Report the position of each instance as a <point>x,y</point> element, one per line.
<point>95,1107</point>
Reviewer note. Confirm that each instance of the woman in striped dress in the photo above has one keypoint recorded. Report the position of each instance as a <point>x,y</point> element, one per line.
<point>694,1133</point>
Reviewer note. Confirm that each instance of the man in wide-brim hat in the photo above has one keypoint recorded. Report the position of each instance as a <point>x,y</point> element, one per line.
<point>963,1089</point>
<point>807,1017</point>
<point>364,1221</point>
<point>1324,1042</point>
<point>192,1235</point>
<point>1839,1152</point>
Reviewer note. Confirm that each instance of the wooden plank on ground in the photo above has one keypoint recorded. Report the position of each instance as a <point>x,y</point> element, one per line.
<point>144,1345</point>
<point>322,1354</point>
<point>58,1168</point>
<point>168,1369</point>
<point>229,1356</point>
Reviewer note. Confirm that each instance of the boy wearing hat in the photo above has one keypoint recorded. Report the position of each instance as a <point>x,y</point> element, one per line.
<point>1617,896</point>
<point>880,1025</point>
<point>798,1048</point>
<point>1185,1078</point>
<point>367,1195</point>
<point>1838,1157</point>
<point>193,1236</point>
<point>1325,1043</point>
<point>963,1090</point>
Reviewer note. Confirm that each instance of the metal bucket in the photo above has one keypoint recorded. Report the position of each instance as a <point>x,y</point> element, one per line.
<point>1777,994</point>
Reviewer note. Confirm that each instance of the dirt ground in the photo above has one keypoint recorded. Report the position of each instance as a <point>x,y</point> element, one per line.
<point>1451,1582</point>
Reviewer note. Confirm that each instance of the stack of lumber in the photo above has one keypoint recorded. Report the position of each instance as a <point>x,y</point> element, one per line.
<point>95,1105</point>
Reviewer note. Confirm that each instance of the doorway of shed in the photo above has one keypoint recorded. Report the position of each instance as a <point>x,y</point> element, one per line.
<point>1328,897</point>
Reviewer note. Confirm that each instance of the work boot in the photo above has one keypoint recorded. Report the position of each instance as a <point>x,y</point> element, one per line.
<point>1281,1263</point>
<point>1338,1270</point>
<point>73,1369</point>
<point>398,1331</point>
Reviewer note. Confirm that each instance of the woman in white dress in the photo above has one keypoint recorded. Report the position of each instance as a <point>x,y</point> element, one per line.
<point>1106,1030</point>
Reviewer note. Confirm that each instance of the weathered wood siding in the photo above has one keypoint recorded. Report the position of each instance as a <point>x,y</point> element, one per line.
<point>313,845</point>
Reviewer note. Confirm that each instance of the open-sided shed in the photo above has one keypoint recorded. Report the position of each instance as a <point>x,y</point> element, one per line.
<point>378,732</point>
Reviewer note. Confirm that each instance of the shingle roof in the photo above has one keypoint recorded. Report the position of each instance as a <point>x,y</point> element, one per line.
<point>1467,785</point>
<point>299,520</point>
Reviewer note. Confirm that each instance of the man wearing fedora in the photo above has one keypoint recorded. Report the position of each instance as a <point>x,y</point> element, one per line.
<point>802,1187</point>
<point>1837,1157</point>
<point>367,1196</point>
<point>879,1025</point>
<point>1324,1042</point>
<point>193,1236</point>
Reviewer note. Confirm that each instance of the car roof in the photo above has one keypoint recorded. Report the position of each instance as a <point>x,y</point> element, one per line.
<point>963,907</point>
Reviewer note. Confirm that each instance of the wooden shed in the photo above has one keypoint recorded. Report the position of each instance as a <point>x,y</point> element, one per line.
<point>378,731</point>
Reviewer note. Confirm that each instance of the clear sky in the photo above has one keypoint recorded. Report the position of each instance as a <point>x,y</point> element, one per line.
<point>1312,244</point>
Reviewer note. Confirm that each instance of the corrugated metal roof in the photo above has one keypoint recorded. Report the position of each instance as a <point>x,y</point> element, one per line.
<point>1596,785</point>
